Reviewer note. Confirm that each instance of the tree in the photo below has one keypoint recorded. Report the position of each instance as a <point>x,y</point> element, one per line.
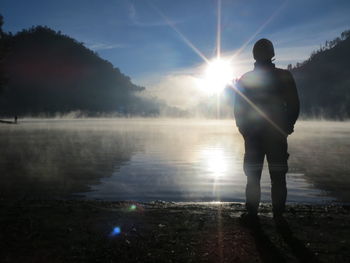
<point>323,80</point>
<point>2,54</point>
<point>50,72</point>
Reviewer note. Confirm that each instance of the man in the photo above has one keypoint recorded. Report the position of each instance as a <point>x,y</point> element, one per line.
<point>266,109</point>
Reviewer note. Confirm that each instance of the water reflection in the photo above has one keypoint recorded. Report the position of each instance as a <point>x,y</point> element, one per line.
<point>217,164</point>
<point>215,161</point>
<point>55,159</point>
<point>173,160</point>
<point>199,161</point>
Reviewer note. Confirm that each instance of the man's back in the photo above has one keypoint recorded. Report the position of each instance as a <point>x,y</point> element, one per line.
<point>269,93</point>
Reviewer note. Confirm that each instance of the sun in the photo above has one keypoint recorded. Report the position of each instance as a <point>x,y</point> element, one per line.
<point>217,74</point>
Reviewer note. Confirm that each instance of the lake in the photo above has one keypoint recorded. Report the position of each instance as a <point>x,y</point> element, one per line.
<point>163,159</point>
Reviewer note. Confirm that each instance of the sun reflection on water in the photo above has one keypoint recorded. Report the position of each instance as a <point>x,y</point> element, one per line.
<point>215,161</point>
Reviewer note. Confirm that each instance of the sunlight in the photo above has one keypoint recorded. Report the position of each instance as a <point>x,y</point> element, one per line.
<point>258,31</point>
<point>219,72</point>
<point>215,160</point>
<point>217,75</point>
<point>182,36</point>
<point>216,166</point>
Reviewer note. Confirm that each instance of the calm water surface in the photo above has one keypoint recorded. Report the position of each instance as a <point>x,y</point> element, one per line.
<point>172,160</point>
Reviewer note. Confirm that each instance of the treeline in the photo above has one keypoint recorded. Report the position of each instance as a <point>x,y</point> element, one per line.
<point>323,80</point>
<point>44,71</point>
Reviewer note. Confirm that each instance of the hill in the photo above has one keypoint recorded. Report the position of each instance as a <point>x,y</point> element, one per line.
<point>49,72</point>
<point>323,80</point>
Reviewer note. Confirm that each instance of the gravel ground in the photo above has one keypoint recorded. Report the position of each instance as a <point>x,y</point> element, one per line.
<point>99,231</point>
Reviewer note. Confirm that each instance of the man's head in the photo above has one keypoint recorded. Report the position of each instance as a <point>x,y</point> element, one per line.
<point>263,50</point>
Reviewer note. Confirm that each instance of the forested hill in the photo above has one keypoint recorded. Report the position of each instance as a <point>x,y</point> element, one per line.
<point>323,80</point>
<point>49,72</point>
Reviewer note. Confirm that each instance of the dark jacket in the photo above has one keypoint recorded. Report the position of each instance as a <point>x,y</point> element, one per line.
<point>266,93</point>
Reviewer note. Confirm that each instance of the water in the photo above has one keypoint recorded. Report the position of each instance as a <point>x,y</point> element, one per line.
<point>172,160</point>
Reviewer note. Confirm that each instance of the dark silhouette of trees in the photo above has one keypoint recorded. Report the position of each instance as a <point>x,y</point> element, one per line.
<point>50,72</point>
<point>323,80</point>
<point>2,55</point>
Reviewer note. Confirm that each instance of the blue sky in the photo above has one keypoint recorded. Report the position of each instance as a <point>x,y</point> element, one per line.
<point>136,37</point>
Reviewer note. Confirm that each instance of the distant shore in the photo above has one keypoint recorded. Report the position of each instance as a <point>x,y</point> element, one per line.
<point>8,122</point>
<point>100,231</point>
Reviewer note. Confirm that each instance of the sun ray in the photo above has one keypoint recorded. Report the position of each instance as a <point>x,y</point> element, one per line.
<point>261,28</point>
<point>259,111</point>
<point>182,36</point>
<point>218,31</point>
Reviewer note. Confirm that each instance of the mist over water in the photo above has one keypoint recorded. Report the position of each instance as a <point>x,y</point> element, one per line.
<point>167,159</point>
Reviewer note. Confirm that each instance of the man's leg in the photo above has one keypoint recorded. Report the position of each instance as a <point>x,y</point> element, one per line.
<point>253,164</point>
<point>277,157</point>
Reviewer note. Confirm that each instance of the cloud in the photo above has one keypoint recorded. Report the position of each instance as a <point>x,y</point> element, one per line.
<point>104,46</point>
<point>136,20</point>
<point>178,90</point>
<point>303,38</point>
<point>295,42</point>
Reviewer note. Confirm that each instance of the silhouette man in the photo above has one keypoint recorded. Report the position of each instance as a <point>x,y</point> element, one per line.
<point>266,109</point>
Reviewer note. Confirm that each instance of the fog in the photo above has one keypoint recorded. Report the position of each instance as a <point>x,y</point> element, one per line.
<point>169,159</point>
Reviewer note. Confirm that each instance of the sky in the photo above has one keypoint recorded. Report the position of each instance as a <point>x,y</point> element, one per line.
<point>163,44</point>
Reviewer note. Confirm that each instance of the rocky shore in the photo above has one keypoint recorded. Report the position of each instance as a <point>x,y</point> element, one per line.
<point>100,231</point>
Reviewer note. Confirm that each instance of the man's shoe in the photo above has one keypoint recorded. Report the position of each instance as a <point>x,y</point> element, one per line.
<point>249,220</point>
<point>280,222</point>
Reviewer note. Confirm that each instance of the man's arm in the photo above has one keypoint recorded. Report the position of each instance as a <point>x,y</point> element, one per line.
<point>292,101</point>
<point>240,107</point>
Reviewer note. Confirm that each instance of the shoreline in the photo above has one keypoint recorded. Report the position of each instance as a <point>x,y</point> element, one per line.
<point>125,231</point>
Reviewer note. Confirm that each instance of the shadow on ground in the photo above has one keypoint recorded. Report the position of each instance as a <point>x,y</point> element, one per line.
<point>93,231</point>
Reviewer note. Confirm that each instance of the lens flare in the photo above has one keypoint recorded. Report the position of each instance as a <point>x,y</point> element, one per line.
<point>132,208</point>
<point>181,35</point>
<point>116,231</point>
<point>261,28</point>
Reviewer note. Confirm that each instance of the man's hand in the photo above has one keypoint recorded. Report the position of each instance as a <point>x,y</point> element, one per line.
<point>290,129</point>
<point>248,131</point>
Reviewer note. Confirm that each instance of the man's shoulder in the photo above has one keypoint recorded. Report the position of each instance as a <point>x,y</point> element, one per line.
<point>283,72</point>
<point>254,77</point>
<point>246,75</point>
<point>246,78</point>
